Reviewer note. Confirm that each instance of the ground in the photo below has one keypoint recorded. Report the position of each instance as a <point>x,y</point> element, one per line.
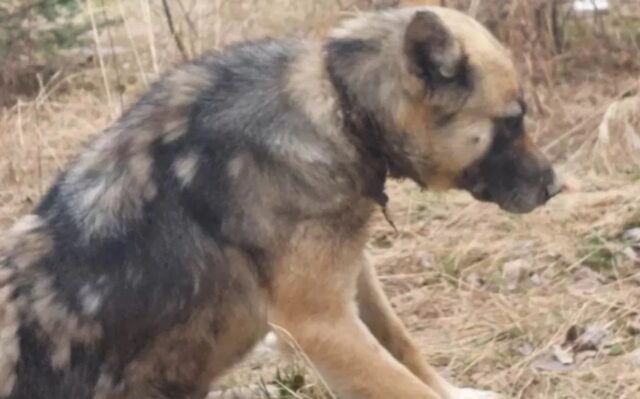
<point>539,306</point>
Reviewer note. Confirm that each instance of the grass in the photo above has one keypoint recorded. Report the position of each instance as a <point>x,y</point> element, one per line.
<point>600,255</point>
<point>444,268</point>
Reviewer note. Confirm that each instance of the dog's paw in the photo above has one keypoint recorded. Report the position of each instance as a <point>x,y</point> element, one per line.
<point>468,393</point>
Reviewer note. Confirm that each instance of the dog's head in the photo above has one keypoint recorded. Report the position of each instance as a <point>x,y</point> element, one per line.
<point>445,98</point>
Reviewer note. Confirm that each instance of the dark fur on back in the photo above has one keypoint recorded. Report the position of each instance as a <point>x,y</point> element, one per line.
<point>167,258</point>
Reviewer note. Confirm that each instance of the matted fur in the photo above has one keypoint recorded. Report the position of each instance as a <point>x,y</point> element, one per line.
<point>236,195</point>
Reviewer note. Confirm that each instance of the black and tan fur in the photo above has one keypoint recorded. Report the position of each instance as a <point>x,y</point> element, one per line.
<point>234,198</point>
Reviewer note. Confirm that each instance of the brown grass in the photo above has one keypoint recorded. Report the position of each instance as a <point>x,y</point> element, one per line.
<point>450,267</point>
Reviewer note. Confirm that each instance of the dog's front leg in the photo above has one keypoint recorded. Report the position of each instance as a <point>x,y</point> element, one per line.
<point>313,308</point>
<point>348,357</point>
<point>376,312</point>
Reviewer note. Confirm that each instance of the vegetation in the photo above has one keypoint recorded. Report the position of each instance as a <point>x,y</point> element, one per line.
<point>39,28</point>
<point>493,299</point>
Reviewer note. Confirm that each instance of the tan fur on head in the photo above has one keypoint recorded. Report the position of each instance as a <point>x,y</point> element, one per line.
<point>443,90</point>
<point>495,88</point>
<point>441,151</point>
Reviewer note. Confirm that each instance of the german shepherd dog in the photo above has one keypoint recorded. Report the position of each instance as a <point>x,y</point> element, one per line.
<point>234,198</point>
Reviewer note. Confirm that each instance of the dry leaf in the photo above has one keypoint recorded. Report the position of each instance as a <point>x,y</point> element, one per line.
<point>634,357</point>
<point>632,236</point>
<point>572,335</point>
<point>579,346</point>
<point>523,249</point>
<point>524,349</point>
<point>562,355</point>
<point>474,280</point>
<point>588,280</point>
<point>630,253</point>
<point>536,279</point>
<point>594,338</point>
<point>425,261</point>
<point>511,273</point>
<point>548,362</point>
<point>582,357</point>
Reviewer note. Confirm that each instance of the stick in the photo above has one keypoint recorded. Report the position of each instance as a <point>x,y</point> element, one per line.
<point>172,29</point>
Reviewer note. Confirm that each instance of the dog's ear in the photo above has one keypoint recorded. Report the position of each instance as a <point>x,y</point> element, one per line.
<point>433,52</point>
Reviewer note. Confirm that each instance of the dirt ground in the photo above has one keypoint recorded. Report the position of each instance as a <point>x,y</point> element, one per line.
<point>540,306</point>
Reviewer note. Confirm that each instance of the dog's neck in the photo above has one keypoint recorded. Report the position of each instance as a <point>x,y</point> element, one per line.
<point>379,155</point>
<point>365,133</point>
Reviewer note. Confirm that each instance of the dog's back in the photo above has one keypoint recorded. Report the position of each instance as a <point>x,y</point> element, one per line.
<point>140,258</point>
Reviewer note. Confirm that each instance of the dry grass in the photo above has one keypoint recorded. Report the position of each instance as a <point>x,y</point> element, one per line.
<point>485,293</point>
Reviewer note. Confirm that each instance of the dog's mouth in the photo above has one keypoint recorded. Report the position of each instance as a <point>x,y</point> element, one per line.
<point>523,198</point>
<point>519,201</point>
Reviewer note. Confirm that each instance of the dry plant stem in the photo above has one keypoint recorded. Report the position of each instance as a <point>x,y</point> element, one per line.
<point>193,32</point>
<point>19,124</point>
<point>146,11</point>
<point>134,49</point>
<point>292,344</point>
<point>172,28</point>
<point>96,40</point>
<point>116,63</point>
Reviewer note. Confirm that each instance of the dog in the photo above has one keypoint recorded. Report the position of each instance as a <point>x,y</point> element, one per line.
<point>234,199</point>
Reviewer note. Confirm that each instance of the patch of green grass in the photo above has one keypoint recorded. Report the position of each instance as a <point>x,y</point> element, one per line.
<point>422,209</point>
<point>494,282</point>
<point>616,350</point>
<point>292,382</point>
<point>450,267</point>
<point>599,254</point>
<point>509,334</point>
<point>382,241</point>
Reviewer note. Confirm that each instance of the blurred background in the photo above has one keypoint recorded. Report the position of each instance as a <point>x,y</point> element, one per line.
<point>538,306</point>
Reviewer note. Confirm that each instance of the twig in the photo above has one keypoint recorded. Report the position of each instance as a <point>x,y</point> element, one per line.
<point>283,334</point>
<point>146,10</point>
<point>19,124</point>
<point>96,39</point>
<point>172,29</point>
<point>193,31</point>
<point>115,59</point>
